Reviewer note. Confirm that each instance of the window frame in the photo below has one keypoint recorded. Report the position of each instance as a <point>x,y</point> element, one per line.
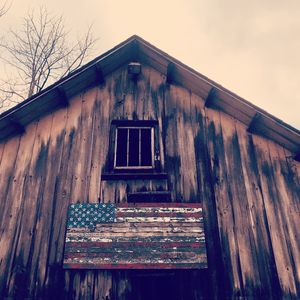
<point>135,125</point>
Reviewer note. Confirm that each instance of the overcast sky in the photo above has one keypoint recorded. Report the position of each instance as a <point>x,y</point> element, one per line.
<point>250,47</point>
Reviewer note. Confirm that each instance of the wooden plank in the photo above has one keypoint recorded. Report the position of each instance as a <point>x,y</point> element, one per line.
<point>288,205</point>
<point>243,232</point>
<point>146,242</point>
<point>100,131</point>
<point>61,199</point>
<point>51,276</point>
<point>167,205</point>
<point>139,233</point>
<point>44,222</point>
<point>126,87</point>
<point>264,271</point>
<point>32,201</point>
<point>13,212</point>
<point>8,161</point>
<point>179,140</point>
<point>274,217</point>
<point>103,284</point>
<point>7,168</point>
<point>153,214</point>
<point>2,147</point>
<point>85,137</point>
<point>94,237</point>
<point>293,165</point>
<point>171,142</point>
<point>223,194</point>
<point>218,272</point>
<point>141,97</point>
<point>157,89</point>
<point>147,95</point>
<point>138,251</point>
<point>133,266</point>
<point>188,172</point>
<point>73,246</point>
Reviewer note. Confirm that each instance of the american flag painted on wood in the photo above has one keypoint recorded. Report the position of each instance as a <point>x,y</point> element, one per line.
<point>135,236</point>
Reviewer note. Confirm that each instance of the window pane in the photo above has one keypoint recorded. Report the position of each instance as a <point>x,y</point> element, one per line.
<point>146,157</point>
<point>133,147</point>
<point>121,159</point>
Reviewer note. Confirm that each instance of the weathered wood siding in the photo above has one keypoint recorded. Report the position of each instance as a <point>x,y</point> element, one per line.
<point>249,187</point>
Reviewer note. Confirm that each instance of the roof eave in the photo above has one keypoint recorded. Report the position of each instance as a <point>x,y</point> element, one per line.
<point>135,48</point>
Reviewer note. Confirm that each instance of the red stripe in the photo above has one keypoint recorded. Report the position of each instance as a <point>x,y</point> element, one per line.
<point>171,205</point>
<point>159,214</point>
<point>137,254</point>
<point>80,245</point>
<point>137,266</point>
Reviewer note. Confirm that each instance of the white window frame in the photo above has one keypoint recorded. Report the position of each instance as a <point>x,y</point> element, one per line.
<point>127,167</point>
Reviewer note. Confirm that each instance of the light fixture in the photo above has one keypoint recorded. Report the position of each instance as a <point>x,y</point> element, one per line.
<point>134,68</point>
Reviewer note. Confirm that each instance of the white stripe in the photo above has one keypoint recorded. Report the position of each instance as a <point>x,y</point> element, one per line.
<point>77,238</point>
<point>159,209</point>
<point>199,258</point>
<point>157,219</point>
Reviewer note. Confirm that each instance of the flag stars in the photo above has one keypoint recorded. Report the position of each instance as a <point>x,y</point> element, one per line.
<point>82,215</point>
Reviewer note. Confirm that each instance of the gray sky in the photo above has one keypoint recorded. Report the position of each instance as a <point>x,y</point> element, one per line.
<point>250,47</point>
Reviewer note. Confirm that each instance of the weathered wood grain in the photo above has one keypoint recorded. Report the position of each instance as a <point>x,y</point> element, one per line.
<point>85,133</point>
<point>44,224</point>
<point>288,205</point>
<point>2,146</point>
<point>109,245</point>
<point>8,161</point>
<point>33,191</point>
<point>54,278</point>
<point>224,205</point>
<point>248,185</point>
<point>274,216</point>
<point>14,214</point>
<point>266,283</point>
<point>99,146</point>
<point>208,198</point>
<point>240,208</point>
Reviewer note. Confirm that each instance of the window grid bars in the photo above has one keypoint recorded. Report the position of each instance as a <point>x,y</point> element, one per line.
<point>140,146</point>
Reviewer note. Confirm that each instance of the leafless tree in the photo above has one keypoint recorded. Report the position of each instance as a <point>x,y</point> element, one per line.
<point>40,53</point>
<point>4,7</point>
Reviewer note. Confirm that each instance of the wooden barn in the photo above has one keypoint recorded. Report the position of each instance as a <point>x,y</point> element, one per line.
<point>137,178</point>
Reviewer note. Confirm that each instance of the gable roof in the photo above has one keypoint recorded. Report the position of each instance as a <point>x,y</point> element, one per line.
<point>136,49</point>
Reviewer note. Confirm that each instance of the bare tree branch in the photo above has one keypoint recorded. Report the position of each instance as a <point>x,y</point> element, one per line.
<point>41,52</point>
<point>4,7</point>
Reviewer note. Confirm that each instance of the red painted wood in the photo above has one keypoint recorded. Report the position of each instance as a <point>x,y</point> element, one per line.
<point>162,214</point>
<point>82,245</point>
<point>168,205</point>
<point>136,266</point>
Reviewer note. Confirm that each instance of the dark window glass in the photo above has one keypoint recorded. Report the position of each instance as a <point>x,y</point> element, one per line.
<point>146,155</point>
<point>121,155</point>
<point>133,147</point>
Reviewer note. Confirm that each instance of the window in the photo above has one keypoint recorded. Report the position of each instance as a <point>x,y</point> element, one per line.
<point>134,146</point>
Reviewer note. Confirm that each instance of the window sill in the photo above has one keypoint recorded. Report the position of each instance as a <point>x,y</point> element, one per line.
<point>133,176</point>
